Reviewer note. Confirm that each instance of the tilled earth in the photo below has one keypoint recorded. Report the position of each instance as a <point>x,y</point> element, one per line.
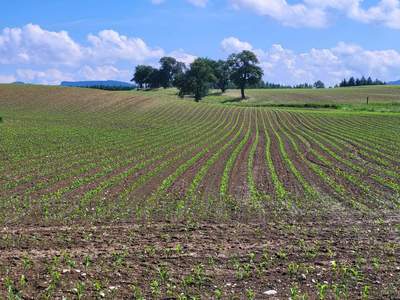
<point>332,258</point>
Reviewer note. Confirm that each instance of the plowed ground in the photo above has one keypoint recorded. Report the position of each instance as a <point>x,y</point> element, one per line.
<point>123,194</point>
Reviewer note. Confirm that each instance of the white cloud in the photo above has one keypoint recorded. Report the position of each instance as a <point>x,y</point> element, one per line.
<point>182,56</point>
<point>49,57</point>
<point>34,45</point>
<point>316,13</point>
<point>386,12</point>
<point>331,65</point>
<point>105,72</point>
<point>232,44</point>
<point>110,46</point>
<point>7,78</point>
<point>43,56</point>
<point>48,76</point>
<point>55,76</point>
<point>296,15</point>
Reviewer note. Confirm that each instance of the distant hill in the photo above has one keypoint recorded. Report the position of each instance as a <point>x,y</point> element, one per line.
<point>394,82</point>
<point>18,82</point>
<point>108,84</point>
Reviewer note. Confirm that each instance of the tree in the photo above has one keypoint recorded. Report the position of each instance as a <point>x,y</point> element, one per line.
<point>319,84</point>
<point>244,70</point>
<point>344,83</point>
<point>303,86</point>
<point>142,74</point>
<point>197,80</point>
<point>169,69</point>
<point>185,84</point>
<point>222,73</point>
<point>153,80</point>
<point>379,82</point>
<point>360,82</point>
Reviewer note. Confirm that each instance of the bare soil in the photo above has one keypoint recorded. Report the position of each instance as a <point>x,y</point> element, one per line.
<point>346,257</point>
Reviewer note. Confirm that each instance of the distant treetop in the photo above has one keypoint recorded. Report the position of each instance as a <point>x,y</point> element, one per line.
<point>360,82</point>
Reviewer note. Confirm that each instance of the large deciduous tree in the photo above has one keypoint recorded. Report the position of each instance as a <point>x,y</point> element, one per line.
<point>222,73</point>
<point>319,85</point>
<point>244,70</point>
<point>142,74</point>
<point>154,79</point>
<point>197,80</point>
<point>169,69</point>
<point>147,77</point>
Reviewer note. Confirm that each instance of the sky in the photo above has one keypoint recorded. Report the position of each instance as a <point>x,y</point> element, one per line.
<point>296,41</point>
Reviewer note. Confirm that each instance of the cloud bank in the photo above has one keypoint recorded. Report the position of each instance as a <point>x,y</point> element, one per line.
<point>48,57</point>
<point>331,65</point>
<point>42,56</point>
<point>318,13</point>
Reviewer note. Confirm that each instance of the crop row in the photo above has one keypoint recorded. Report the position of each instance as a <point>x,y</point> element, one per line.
<point>191,151</point>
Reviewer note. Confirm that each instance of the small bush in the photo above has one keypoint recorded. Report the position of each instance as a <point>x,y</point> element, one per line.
<point>1,120</point>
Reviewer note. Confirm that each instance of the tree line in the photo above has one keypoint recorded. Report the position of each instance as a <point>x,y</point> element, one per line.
<point>109,87</point>
<point>240,69</point>
<point>359,82</point>
<point>269,85</point>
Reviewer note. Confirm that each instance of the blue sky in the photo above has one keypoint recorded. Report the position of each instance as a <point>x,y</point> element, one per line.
<point>49,41</point>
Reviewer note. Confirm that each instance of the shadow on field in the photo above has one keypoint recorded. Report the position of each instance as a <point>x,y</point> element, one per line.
<point>235,100</point>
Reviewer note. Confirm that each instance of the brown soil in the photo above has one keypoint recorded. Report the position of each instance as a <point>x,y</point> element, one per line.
<point>261,175</point>
<point>289,181</point>
<point>198,259</point>
<point>238,184</point>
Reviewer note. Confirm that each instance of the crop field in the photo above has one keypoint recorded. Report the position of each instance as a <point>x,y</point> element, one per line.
<point>380,98</point>
<point>141,195</point>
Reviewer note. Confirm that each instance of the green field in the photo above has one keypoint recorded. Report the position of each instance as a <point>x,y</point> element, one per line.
<point>381,98</point>
<point>300,200</point>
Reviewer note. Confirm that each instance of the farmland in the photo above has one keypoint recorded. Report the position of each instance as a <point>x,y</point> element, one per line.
<point>141,194</point>
<point>381,98</point>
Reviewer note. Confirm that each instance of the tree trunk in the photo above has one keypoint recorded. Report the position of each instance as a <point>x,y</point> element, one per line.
<point>242,92</point>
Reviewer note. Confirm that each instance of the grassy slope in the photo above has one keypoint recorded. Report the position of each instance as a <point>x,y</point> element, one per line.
<point>381,98</point>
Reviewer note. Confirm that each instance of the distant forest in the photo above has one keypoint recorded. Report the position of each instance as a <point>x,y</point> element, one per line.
<point>360,82</point>
<point>319,84</point>
<point>110,88</point>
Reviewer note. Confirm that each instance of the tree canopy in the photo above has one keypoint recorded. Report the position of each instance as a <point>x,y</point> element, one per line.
<point>240,69</point>
<point>147,77</point>
<point>244,70</point>
<point>169,69</point>
<point>360,82</point>
<point>198,79</point>
<point>319,85</point>
<point>222,74</point>
<point>141,75</point>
